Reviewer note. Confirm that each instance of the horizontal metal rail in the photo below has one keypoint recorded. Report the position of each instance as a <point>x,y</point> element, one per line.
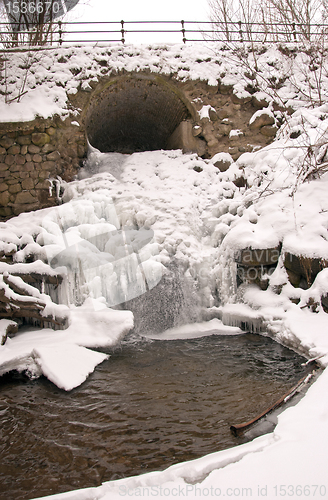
<point>17,34</point>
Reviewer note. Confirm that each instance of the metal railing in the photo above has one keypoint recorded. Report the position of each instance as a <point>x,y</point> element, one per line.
<point>59,32</point>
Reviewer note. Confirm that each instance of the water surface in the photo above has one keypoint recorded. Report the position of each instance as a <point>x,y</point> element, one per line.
<point>152,404</point>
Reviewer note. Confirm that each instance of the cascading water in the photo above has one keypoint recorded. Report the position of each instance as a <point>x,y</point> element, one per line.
<point>116,247</point>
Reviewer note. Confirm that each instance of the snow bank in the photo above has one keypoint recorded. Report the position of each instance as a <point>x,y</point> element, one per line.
<point>62,355</point>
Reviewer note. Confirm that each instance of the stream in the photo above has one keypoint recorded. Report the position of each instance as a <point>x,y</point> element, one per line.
<point>150,405</point>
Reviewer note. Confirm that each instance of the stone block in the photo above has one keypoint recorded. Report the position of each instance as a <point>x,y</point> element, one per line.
<point>15,188</point>
<point>54,156</point>
<point>25,197</point>
<point>182,138</point>
<point>48,148</point>
<point>5,211</point>
<point>43,184</point>
<point>3,166</point>
<point>3,187</point>
<point>48,165</point>
<point>51,131</point>
<point>33,149</point>
<point>10,159</point>
<point>29,166</point>
<point>19,159</point>
<point>6,142</point>
<point>15,167</point>
<point>37,158</point>
<point>14,150</point>
<point>40,138</point>
<point>28,183</point>
<point>4,198</point>
<point>24,140</point>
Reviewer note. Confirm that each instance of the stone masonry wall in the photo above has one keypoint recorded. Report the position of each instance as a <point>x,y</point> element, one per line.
<point>31,155</point>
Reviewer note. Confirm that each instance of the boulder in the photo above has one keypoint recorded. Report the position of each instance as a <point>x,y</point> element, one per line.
<point>261,118</point>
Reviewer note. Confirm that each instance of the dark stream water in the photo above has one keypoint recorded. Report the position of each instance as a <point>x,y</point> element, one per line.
<point>152,404</point>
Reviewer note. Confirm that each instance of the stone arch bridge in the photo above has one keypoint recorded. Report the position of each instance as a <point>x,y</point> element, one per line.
<point>125,113</point>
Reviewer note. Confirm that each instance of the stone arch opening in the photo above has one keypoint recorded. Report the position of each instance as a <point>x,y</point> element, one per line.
<point>136,113</point>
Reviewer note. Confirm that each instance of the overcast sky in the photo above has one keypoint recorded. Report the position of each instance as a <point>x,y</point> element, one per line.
<point>142,10</point>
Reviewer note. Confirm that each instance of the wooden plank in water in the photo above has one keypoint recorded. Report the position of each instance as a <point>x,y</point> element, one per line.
<point>238,429</point>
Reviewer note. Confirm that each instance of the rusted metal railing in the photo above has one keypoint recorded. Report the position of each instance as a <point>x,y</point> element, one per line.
<point>84,32</point>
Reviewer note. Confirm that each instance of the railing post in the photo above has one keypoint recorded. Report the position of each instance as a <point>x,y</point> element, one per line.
<point>183,32</point>
<point>60,32</point>
<point>122,32</point>
<point>240,32</point>
<point>294,31</point>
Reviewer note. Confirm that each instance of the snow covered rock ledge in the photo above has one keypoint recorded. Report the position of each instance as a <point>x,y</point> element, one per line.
<point>64,356</point>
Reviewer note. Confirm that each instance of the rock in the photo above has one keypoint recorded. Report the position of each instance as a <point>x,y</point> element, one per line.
<point>258,257</point>
<point>15,167</point>
<point>225,89</point>
<point>182,138</point>
<point>302,270</point>
<point>6,142</point>
<point>223,113</point>
<point>4,198</point>
<point>54,156</point>
<point>261,118</point>
<point>10,159</point>
<point>28,183</point>
<point>19,159</point>
<point>324,303</point>
<point>269,130</point>
<point>37,158</point>
<point>14,150</point>
<point>15,188</point>
<point>40,138</point>
<point>25,197</point>
<point>3,167</point>
<point>197,130</point>
<point>236,99</point>
<point>48,165</point>
<point>3,187</point>
<point>222,161</point>
<point>260,102</point>
<point>48,148</point>
<point>224,129</point>
<point>24,140</point>
<point>240,182</point>
<point>212,114</point>
<point>33,149</point>
<point>51,131</point>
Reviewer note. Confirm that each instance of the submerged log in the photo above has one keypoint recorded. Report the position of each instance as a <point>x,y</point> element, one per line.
<point>238,429</point>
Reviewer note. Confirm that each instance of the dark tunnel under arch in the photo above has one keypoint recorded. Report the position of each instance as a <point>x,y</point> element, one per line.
<point>135,113</point>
